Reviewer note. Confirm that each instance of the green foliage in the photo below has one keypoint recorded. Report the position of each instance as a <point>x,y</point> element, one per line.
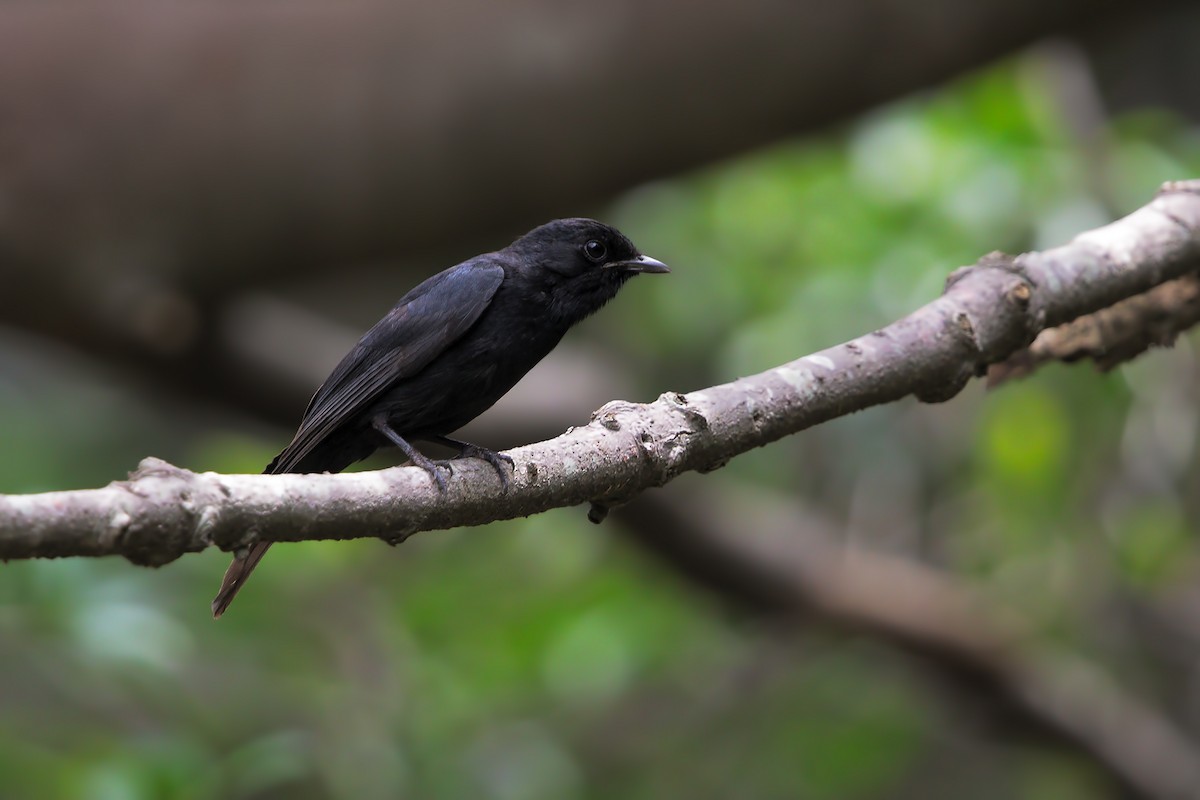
<point>1152,544</point>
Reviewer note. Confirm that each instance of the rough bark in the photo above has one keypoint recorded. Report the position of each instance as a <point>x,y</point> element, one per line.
<point>1113,335</point>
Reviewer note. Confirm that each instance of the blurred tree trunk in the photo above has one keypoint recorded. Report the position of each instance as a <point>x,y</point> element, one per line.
<point>158,159</point>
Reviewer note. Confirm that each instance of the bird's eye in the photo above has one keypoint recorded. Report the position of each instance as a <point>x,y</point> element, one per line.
<point>595,250</point>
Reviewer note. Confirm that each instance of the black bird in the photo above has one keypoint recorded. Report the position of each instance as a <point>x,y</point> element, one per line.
<point>450,349</point>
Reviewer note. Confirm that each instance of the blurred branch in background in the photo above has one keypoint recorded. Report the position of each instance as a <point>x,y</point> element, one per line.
<point>288,104</point>
<point>987,312</point>
<point>159,160</point>
<point>773,558</point>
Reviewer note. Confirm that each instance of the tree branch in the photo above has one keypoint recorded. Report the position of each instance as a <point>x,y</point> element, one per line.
<point>987,312</point>
<point>1112,335</point>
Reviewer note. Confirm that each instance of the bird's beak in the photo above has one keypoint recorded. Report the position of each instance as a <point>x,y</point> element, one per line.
<point>639,264</point>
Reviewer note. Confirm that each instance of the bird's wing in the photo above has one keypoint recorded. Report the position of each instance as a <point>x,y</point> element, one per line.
<point>422,325</point>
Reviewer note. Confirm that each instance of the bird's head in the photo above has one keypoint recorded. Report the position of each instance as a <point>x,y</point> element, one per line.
<point>580,264</point>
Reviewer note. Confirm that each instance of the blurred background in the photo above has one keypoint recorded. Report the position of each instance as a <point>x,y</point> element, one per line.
<point>203,204</point>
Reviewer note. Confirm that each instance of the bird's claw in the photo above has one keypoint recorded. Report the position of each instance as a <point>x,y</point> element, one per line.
<point>497,460</point>
<point>434,468</point>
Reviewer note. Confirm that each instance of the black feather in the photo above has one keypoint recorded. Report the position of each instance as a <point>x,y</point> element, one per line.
<point>450,349</point>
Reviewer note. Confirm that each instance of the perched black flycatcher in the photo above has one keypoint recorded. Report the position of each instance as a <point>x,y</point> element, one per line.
<point>451,348</point>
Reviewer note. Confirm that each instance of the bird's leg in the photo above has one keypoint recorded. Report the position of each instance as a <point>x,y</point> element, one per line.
<point>418,459</point>
<point>468,450</point>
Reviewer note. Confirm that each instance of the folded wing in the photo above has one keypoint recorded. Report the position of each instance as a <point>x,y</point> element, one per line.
<point>423,324</point>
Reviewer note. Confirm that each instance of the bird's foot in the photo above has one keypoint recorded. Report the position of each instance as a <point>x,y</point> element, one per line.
<point>418,459</point>
<point>497,460</point>
<point>467,450</point>
<point>434,468</point>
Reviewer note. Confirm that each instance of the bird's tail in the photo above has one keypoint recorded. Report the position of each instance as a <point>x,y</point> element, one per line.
<point>235,576</point>
<point>242,566</point>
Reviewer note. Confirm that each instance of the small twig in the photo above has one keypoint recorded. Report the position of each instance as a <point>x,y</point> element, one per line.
<point>1112,335</point>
